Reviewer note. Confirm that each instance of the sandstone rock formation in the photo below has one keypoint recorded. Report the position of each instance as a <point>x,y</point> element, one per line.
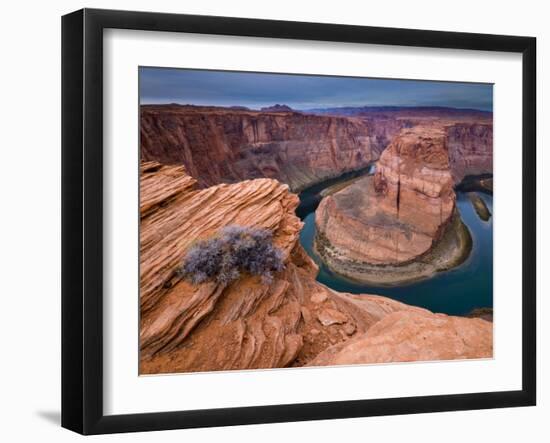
<point>413,336</point>
<point>249,323</point>
<point>394,217</point>
<point>402,224</point>
<point>226,145</point>
<point>470,149</point>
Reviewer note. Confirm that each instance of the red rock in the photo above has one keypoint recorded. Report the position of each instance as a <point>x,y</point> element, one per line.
<point>226,145</point>
<point>250,323</point>
<point>399,213</point>
<point>414,336</point>
<point>329,317</point>
<point>470,149</point>
<point>349,328</point>
<point>319,297</point>
<point>306,314</point>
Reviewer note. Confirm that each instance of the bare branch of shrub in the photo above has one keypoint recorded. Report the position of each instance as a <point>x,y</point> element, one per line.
<point>233,251</point>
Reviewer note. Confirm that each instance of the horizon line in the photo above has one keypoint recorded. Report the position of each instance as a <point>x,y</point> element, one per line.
<point>316,108</point>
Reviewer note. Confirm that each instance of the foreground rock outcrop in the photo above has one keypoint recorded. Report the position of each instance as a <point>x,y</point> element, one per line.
<point>413,336</point>
<point>250,323</point>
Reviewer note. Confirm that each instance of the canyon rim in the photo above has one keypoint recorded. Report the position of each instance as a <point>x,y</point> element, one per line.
<point>300,220</point>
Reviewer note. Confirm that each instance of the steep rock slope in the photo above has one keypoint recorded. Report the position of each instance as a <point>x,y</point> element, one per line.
<point>396,215</point>
<point>226,145</point>
<point>401,224</point>
<point>470,148</point>
<point>247,324</point>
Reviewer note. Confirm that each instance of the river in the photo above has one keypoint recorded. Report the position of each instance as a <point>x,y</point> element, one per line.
<point>455,292</point>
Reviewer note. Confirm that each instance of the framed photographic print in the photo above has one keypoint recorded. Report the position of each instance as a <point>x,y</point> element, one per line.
<point>270,221</point>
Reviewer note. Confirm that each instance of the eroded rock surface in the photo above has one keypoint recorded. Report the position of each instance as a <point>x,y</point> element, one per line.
<point>402,224</point>
<point>226,145</point>
<point>395,216</point>
<point>470,149</point>
<point>414,336</point>
<point>250,323</point>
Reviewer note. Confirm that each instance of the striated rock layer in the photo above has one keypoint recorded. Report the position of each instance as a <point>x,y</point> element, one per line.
<point>227,145</point>
<point>470,148</point>
<point>394,216</point>
<point>397,216</point>
<point>413,336</point>
<point>252,324</point>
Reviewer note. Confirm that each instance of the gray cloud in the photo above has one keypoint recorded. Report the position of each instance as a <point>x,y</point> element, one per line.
<point>224,88</point>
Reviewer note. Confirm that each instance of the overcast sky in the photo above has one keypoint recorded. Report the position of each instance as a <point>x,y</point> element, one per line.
<point>200,87</point>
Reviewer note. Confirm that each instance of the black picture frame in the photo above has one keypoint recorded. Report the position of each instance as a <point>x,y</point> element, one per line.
<point>82,219</point>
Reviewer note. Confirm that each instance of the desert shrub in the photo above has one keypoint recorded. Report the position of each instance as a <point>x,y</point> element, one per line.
<point>233,251</point>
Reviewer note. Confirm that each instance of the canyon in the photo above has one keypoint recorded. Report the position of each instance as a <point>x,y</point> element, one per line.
<point>228,145</point>
<point>398,226</point>
<point>205,168</point>
<point>395,215</point>
<point>402,224</point>
<point>293,320</point>
<point>231,144</point>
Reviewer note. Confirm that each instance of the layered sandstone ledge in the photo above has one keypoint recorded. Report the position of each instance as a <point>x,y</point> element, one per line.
<point>413,336</point>
<point>251,324</point>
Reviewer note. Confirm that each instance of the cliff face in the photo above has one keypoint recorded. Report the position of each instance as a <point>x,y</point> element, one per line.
<point>227,145</point>
<point>247,324</point>
<point>224,145</point>
<point>396,215</point>
<point>470,148</point>
<point>413,184</point>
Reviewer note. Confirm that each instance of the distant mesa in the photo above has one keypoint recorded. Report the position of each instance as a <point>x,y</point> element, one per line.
<point>277,108</point>
<point>401,111</point>
<point>239,108</point>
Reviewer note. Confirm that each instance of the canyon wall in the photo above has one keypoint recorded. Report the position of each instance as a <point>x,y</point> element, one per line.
<point>470,148</point>
<point>227,145</point>
<point>251,323</point>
